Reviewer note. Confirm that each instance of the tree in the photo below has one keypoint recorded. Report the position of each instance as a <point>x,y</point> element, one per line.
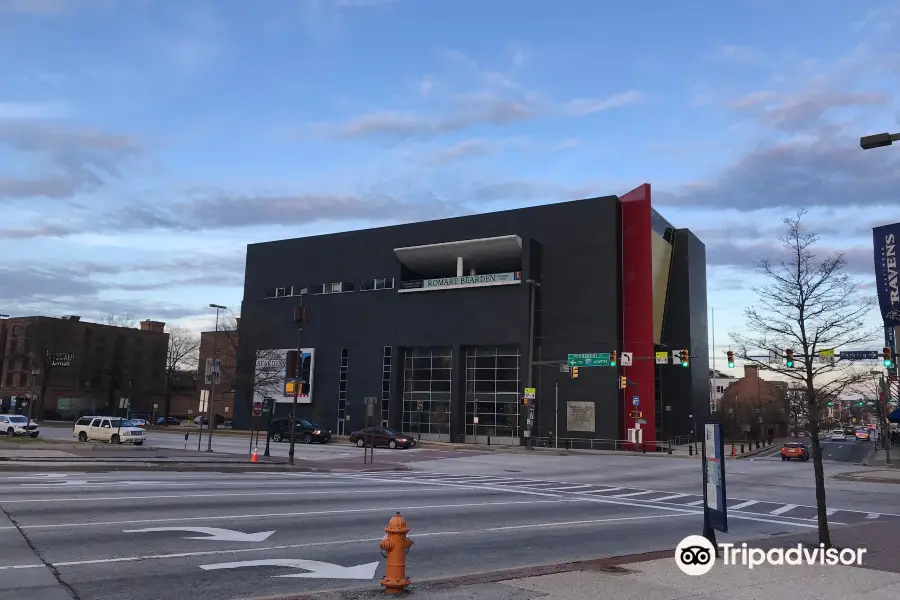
<point>874,392</point>
<point>258,382</point>
<point>807,305</point>
<point>114,320</point>
<point>182,355</point>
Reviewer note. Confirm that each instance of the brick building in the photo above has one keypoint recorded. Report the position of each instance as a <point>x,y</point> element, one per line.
<point>753,407</point>
<point>78,367</point>
<point>222,344</point>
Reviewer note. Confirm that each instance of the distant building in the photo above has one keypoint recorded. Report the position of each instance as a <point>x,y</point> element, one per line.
<point>80,368</point>
<point>222,345</point>
<point>718,382</point>
<point>754,407</point>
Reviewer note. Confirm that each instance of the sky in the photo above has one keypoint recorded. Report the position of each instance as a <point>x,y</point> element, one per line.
<point>145,143</point>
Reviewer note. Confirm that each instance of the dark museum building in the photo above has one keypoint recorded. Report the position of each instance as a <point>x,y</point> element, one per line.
<point>438,319</point>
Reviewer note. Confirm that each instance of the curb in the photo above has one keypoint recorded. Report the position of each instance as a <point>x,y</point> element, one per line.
<point>610,565</point>
<point>869,456</point>
<point>863,478</point>
<point>181,467</point>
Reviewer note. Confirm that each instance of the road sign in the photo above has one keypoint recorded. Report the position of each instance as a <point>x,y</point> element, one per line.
<point>636,400</point>
<point>860,355</point>
<point>627,357</point>
<point>475,420</point>
<point>420,405</point>
<point>563,368</point>
<point>204,401</point>
<point>314,569</point>
<point>530,393</point>
<point>257,409</point>
<point>124,402</point>
<point>213,368</point>
<point>641,421</point>
<point>662,358</point>
<point>370,400</point>
<point>212,534</point>
<point>589,360</point>
<point>676,356</point>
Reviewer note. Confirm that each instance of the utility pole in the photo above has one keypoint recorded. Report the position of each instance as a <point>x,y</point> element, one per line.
<point>300,314</point>
<point>34,375</point>
<point>212,392</point>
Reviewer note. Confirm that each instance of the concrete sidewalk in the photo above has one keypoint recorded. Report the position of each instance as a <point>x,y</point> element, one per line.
<point>655,576</point>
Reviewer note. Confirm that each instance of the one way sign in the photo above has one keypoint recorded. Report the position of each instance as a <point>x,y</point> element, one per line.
<point>626,358</point>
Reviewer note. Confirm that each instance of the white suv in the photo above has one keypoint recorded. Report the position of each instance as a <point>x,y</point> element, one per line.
<point>108,429</point>
<point>18,425</point>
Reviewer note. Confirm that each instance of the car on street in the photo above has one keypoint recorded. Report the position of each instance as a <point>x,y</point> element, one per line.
<point>381,436</point>
<point>794,450</point>
<point>108,429</point>
<point>862,435</point>
<point>305,431</point>
<point>18,425</point>
<point>134,422</point>
<point>838,435</point>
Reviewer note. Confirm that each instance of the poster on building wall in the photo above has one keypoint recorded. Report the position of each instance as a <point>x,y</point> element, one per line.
<point>274,375</point>
<point>581,416</point>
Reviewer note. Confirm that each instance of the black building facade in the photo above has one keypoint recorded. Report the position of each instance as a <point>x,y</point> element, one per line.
<point>436,321</point>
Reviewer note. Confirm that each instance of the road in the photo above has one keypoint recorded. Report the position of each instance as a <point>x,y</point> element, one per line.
<point>469,514</point>
<point>850,451</point>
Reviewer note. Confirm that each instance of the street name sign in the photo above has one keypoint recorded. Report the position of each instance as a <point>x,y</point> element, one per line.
<point>589,360</point>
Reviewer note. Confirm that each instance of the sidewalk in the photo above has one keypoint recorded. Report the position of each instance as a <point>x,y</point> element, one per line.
<point>655,576</point>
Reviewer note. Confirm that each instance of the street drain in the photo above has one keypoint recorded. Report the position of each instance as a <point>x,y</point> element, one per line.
<point>610,569</point>
<point>511,471</point>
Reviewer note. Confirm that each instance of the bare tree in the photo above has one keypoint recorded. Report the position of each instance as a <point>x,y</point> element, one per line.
<point>261,382</point>
<point>875,393</point>
<point>120,321</point>
<point>182,355</point>
<point>807,306</point>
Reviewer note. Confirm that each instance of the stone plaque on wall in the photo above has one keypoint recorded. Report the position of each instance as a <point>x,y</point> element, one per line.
<point>581,416</point>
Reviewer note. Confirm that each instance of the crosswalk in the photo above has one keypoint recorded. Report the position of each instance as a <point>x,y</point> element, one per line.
<point>743,506</point>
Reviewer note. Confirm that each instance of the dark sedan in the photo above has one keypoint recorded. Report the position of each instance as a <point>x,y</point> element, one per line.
<point>381,436</point>
<point>304,431</point>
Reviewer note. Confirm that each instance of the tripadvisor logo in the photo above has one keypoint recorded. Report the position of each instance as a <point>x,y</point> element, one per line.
<point>695,555</point>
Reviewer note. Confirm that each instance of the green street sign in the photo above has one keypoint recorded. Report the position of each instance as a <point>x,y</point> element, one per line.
<point>589,360</point>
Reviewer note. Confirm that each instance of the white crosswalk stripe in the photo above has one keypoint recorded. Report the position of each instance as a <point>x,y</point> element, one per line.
<point>643,496</point>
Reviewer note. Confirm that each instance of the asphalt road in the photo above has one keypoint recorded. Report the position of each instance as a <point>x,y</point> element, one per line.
<point>471,514</point>
<point>850,451</point>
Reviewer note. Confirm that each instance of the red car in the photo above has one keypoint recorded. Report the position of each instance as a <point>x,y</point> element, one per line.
<point>381,436</point>
<point>794,450</point>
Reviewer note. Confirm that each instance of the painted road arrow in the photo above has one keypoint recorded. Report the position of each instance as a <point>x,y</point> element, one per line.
<point>213,534</point>
<point>315,568</point>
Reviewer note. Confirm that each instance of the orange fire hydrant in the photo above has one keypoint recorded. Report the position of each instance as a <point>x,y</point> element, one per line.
<point>394,546</point>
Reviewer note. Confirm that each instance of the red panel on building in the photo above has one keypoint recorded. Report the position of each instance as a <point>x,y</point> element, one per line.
<point>637,310</point>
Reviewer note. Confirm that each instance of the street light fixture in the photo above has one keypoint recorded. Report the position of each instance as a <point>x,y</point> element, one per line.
<point>879,140</point>
<point>212,390</point>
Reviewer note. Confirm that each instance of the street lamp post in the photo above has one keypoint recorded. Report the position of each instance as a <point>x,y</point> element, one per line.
<point>212,390</point>
<point>879,140</point>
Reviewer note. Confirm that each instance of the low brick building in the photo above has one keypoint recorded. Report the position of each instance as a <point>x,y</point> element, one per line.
<point>74,367</point>
<point>753,408</point>
<point>221,345</point>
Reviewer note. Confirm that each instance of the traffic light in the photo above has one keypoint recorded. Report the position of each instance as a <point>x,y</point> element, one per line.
<point>830,403</point>
<point>612,358</point>
<point>861,403</point>
<point>789,358</point>
<point>730,359</point>
<point>684,358</point>
<point>623,383</point>
<point>574,372</point>
<point>886,355</point>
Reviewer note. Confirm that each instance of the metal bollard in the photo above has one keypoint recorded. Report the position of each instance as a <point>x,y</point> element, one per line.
<point>742,448</point>
<point>394,547</point>
<point>690,450</point>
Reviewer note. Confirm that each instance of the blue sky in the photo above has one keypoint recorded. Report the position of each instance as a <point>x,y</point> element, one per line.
<point>144,143</point>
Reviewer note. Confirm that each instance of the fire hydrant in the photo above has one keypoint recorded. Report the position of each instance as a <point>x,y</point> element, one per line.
<point>394,547</point>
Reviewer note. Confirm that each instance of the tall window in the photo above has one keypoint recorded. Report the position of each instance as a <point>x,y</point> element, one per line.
<point>386,387</point>
<point>427,375</point>
<point>492,391</point>
<point>342,391</point>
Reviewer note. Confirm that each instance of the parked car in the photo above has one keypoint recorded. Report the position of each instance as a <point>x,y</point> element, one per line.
<point>134,422</point>
<point>305,431</point>
<point>108,429</point>
<point>169,421</point>
<point>381,436</point>
<point>794,450</point>
<point>18,425</point>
